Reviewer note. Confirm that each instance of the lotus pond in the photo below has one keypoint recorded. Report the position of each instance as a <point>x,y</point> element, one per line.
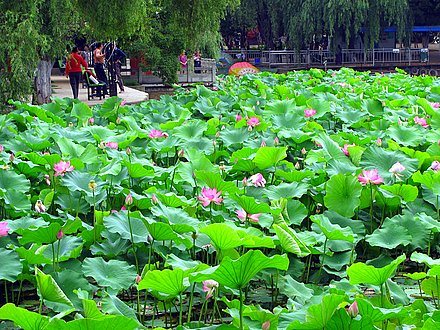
<point>301,201</point>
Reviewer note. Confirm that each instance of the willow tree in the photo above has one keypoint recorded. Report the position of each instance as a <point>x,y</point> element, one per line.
<point>304,20</point>
<point>37,32</point>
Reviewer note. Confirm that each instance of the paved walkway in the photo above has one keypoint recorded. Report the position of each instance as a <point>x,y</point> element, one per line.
<point>61,88</point>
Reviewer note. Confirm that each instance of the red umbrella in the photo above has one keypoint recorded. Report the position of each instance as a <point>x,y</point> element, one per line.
<point>242,68</point>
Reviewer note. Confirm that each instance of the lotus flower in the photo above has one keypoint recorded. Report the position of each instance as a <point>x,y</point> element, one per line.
<point>379,141</point>
<point>112,145</point>
<point>91,120</point>
<point>396,170</point>
<point>257,180</point>
<point>435,105</point>
<point>4,228</point>
<point>242,215</point>
<point>353,310</point>
<point>276,141</point>
<point>253,122</point>
<point>209,286</point>
<point>155,134</point>
<point>2,148</point>
<point>265,325</point>
<point>238,117</point>
<point>345,149</point>
<point>210,195</point>
<point>39,207</point>
<point>370,177</point>
<point>435,165</point>
<point>129,199</point>
<point>62,168</point>
<point>309,112</point>
<point>60,234</point>
<point>138,278</point>
<point>421,121</point>
<point>154,199</point>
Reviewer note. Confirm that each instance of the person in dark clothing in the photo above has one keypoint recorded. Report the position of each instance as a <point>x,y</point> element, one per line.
<point>73,70</point>
<point>99,59</point>
<point>197,57</point>
<point>117,56</point>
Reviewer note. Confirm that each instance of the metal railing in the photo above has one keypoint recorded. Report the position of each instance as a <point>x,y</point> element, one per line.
<point>381,56</point>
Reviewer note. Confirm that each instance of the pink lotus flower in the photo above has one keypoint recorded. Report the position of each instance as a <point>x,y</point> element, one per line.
<point>112,145</point>
<point>435,165</point>
<point>62,168</point>
<point>210,195</point>
<point>155,134</point>
<point>138,278</point>
<point>129,199</point>
<point>345,149</point>
<point>91,120</point>
<point>154,199</point>
<point>265,325</point>
<point>124,102</point>
<point>309,112</point>
<point>263,143</point>
<point>242,215</point>
<point>353,310</point>
<point>421,121</point>
<point>4,228</point>
<point>370,177</point>
<point>209,286</point>
<point>238,117</point>
<point>379,141</point>
<point>253,122</point>
<point>2,148</point>
<point>60,234</point>
<point>435,105</point>
<point>257,180</point>
<point>276,141</point>
<point>39,207</point>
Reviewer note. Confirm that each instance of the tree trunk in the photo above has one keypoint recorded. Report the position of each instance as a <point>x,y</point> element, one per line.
<point>42,83</point>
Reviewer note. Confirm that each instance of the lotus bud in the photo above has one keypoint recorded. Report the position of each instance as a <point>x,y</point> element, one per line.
<point>91,120</point>
<point>124,102</point>
<point>128,151</point>
<point>39,207</point>
<point>150,239</point>
<point>70,124</point>
<point>353,310</point>
<point>245,182</point>
<point>60,235</point>
<point>222,166</point>
<point>379,141</point>
<point>276,141</point>
<point>250,128</point>
<point>118,121</point>
<point>265,325</point>
<point>181,153</point>
<point>12,157</point>
<point>154,199</point>
<point>214,143</point>
<point>297,166</point>
<point>2,148</point>
<point>303,151</point>
<point>217,135</point>
<point>101,145</point>
<point>263,143</point>
<point>194,235</point>
<point>238,117</point>
<point>47,178</point>
<point>92,185</point>
<point>223,127</point>
<point>129,200</point>
<point>138,278</point>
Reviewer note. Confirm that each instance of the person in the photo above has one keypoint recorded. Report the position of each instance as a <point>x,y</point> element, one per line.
<point>99,59</point>
<point>85,53</point>
<point>117,57</point>
<point>183,61</point>
<point>197,61</point>
<point>74,71</point>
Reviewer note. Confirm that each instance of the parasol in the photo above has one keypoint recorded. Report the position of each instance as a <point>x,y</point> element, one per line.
<point>242,68</point>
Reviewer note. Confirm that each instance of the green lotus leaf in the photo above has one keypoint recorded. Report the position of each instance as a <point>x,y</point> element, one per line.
<point>180,220</point>
<point>191,130</point>
<point>360,273</point>
<point>236,274</point>
<point>269,156</point>
<point>389,237</point>
<point>367,309</point>
<point>332,231</point>
<point>34,255</point>
<point>296,212</point>
<point>81,111</point>
<point>161,231</point>
<point>250,205</point>
<point>343,194</point>
<point>417,276</point>
<point>232,136</point>
<point>407,136</point>
<point>70,281</point>
<point>11,265</point>
<point>110,248</point>
<point>425,259</point>
<point>118,223</point>
<point>167,281</point>
<point>23,318</point>
<point>49,289</point>
<point>215,180</point>
<point>115,306</point>
<point>68,247</point>
<point>223,236</point>
<point>319,315</point>
<point>289,240</point>
<point>286,190</point>
<point>41,235</point>
<point>431,287</point>
<point>429,179</point>
<point>114,274</point>
<point>405,192</point>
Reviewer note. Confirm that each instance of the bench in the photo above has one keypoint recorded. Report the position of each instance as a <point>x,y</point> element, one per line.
<point>94,87</point>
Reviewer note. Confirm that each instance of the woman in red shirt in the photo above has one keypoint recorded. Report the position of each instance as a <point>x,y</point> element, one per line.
<point>74,71</point>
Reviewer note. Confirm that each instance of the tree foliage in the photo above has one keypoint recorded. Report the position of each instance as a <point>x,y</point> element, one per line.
<point>303,20</point>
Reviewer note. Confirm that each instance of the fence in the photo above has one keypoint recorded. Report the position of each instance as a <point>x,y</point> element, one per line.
<point>277,58</point>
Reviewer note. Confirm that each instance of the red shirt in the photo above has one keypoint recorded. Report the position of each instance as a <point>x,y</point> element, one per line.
<point>74,63</point>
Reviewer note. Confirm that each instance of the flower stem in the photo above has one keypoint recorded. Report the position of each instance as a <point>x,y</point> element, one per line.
<point>180,309</point>
<point>188,321</point>
<point>241,309</point>
<point>132,242</point>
